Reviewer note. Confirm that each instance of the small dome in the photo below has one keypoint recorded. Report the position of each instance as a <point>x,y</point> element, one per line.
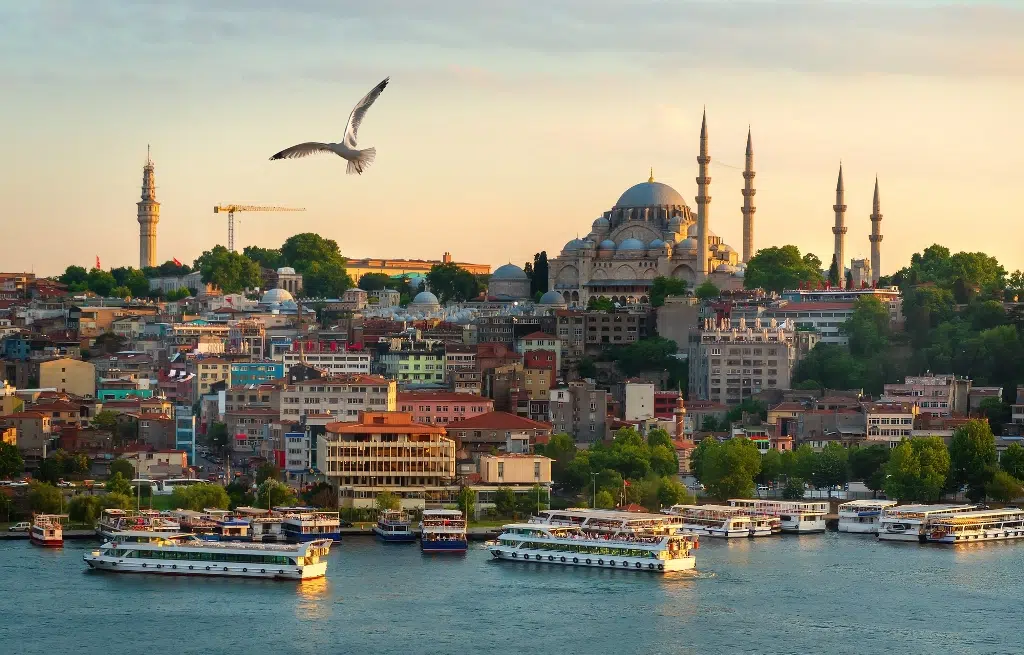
<point>425,298</point>
<point>740,272</point>
<point>688,243</point>
<point>575,244</point>
<point>632,244</point>
<point>692,231</point>
<point>601,223</point>
<point>275,296</point>
<point>607,244</point>
<point>650,194</point>
<point>286,270</point>
<point>509,272</point>
<point>675,222</point>
<point>657,243</point>
<point>552,298</point>
<point>724,268</point>
<point>588,244</point>
<point>725,247</point>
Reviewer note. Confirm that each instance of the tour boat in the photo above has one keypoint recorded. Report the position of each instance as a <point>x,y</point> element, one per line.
<point>976,526</point>
<point>443,531</point>
<point>796,516</point>
<point>301,524</point>
<point>394,527</point>
<point>113,521</point>
<point>654,552</point>
<point>862,515</point>
<point>47,530</point>
<point>910,522</point>
<point>606,521</point>
<point>264,525</point>
<point>193,522</point>
<point>185,554</point>
<point>229,528</point>
<point>721,521</point>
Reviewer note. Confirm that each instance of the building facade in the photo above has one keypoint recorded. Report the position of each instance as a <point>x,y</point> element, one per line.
<point>343,396</point>
<point>442,408</point>
<point>581,411</point>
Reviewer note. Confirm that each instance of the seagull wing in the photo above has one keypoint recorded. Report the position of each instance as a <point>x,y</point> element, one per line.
<point>356,117</point>
<point>302,150</point>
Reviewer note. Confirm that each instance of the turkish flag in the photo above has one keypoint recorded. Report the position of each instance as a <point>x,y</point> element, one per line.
<point>176,262</point>
<point>98,262</point>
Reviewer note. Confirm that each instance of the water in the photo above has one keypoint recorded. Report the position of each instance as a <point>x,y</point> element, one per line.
<point>792,594</point>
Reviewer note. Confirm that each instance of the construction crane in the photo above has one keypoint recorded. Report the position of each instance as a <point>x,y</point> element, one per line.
<point>231,209</point>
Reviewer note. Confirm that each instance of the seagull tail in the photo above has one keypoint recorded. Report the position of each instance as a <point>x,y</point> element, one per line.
<point>361,161</point>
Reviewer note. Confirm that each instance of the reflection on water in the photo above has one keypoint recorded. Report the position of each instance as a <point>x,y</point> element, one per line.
<point>313,599</point>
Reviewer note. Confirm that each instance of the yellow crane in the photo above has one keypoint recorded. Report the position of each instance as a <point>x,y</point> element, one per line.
<point>231,209</point>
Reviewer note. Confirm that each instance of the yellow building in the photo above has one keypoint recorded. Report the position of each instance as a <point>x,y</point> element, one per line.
<point>208,373</point>
<point>357,268</point>
<point>68,375</point>
<point>511,469</point>
<point>8,435</point>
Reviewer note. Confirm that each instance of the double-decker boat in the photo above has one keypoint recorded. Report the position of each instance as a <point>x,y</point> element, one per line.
<point>113,521</point>
<point>301,524</point>
<point>607,522</point>
<point>659,551</point>
<point>910,522</point>
<point>794,515</point>
<point>975,526</point>
<point>264,525</point>
<point>862,515</point>
<point>47,530</point>
<point>193,522</point>
<point>443,531</point>
<point>722,521</point>
<point>394,527</point>
<point>185,554</point>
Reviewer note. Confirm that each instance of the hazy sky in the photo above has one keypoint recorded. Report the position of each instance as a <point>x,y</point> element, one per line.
<point>508,125</point>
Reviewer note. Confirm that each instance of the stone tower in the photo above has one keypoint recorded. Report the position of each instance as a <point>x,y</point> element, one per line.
<point>840,228</point>
<point>149,216</point>
<point>703,200</point>
<point>748,203</point>
<point>876,236</point>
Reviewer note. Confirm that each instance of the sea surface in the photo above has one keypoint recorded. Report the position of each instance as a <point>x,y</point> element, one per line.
<point>832,593</point>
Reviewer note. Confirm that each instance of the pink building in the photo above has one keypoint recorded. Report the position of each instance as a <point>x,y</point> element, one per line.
<point>442,407</point>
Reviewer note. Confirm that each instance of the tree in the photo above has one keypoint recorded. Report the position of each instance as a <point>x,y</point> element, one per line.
<point>917,470</point>
<point>672,492</point>
<point>44,498</point>
<point>833,272</point>
<point>706,290</point>
<point>218,437</point>
<point>374,281</point>
<point>600,304</point>
<point>812,261</point>
<point>1012,461</point>
<point>266,257</point>
<point>849,279</point>
<point>123,467</point>
<point>868,328</point>
<point>50,470</point>
<point>116,501</point>
<point>803,462</point>
<point>867,464</point>
<point>133,281</point>
<point>780,268</point>
<point>196,497</point>
<point>972,457</point>
<point>1004,488</point>
<point>700,457</point>
<point>84,509</point>
<point>664,460</point>
<point>561,449</point>
<point>829,468</point>
<point>267,471</point>
<point>586,367</point>
<point>274,494</point>
<point>180,293</point>
<point>539,273</point>
<point>326,279</point>
<point>6,507</point>
<point>831,366</point>
<point>118,484</point>
<point>11,463</point>
<point>232,272</point>
<point>450,282</point>
<point>730,469</point>
<point>663,287</point>
<point>794,489</point>
<point>467,502</point>
<point>100,282</point>
<point>75,277</point>
<point>771,466</point>
<point>505,502</point>
<point>387,500</point>
<point>605,500</point>
<point>105,420</point>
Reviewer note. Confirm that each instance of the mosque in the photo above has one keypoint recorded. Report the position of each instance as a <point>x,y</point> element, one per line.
<point>651,232</point>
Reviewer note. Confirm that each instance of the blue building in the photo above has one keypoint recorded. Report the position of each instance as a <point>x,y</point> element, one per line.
<point>185,431</point>
<point>243,373</point>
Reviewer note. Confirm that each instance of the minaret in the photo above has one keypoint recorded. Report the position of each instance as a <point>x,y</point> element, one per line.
<point>703,200</point>
<point>840,229</point>
<point>876,236</point>
<point>748,203</point>
<point>149,216</point>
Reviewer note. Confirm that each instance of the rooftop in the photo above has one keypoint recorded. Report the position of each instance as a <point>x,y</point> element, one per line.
<point>441,396</point>
<point>539,335</point>
<point>498,421</point>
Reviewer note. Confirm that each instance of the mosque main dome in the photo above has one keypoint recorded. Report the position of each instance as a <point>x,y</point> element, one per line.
<point>650,194</point>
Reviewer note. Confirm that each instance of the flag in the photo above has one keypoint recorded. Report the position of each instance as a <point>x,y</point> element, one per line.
<point>625,483</point>
<point>176,262</point>
<point>98,262</point>
<point>228,300</point>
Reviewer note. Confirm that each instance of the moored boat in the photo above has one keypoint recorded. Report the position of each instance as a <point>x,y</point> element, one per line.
<point>656,552</point>
<point>443,531</point>
<point>607,521</point>
<point>47,530</point>
<point>976,526</point>
<point>301,524</point>
<point>910,522</point>
<point>862,515</point>
<point>720,521</point>
<point>394,527</point>
<point>796,516</point>
<point>183,554</point>
<point>113,521</point>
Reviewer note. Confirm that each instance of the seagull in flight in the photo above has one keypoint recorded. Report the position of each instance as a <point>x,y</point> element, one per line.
<point>358,160</point>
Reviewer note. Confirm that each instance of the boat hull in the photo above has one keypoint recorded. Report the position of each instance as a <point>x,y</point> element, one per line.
<point>154,567</point>
<point>912,535</point>
<point>394,537</point>
<point>858,528</point>
<point>299,538</point>
<point>636,564</point>
<point>444,546</point>
<point>46,543</point>
<point>984,535</point>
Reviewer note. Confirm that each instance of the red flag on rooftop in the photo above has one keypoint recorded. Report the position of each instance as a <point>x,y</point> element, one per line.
<point>228,300</point>
<point>98,262</point>
<point>175,260</point>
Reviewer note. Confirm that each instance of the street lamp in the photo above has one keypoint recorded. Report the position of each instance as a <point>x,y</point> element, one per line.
<point>594,478</point>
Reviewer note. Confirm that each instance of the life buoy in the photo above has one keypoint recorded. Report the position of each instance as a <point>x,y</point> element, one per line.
<point>588,560</point>
<point>650,566</point>
<point>159,566</point>
<point>245,570</point>
<point>601,562</point>
<point>611,562</point>
<point>174,566</point>
<point>551,558</point>
<point>207,568</point>
<point>189,567</point>
<point>280,570</point>
<point>263,570</point>
<point>575,560</point>
<point>514,555</point>
<point>639,565</point>
<point>625,563</point>
<point>563,558</point>
<point>143,565</point>
<point>661,567</point>
<point>225,568</point>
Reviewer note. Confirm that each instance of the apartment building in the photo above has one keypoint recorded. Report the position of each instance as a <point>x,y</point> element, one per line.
<point>890,422</point>
<point>581,411</point>
<point>343,396</point>
<point>441,408</point>
<point>334,363</point>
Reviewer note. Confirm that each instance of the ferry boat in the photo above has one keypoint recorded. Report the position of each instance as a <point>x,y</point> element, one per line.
<point>795,516</point>
<point>608,522</point>
<point>301,524</point>
<point>862,515</point>
<point>721,521</point>
<point>394,527</point>
<point>656,552</point>
<point>229,528</point>
<point>185,554</point>
<point>47,530</point>
<point>113,521</point>
<point>443,531</point>
<point>979,525</point>
<point>910,522</point>
<point>193,522</point>
<point>264,525</point>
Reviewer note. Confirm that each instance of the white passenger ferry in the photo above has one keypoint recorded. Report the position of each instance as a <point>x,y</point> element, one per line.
<point>976,526</point>
<point>862,515</point>
<point>910,522</point>
<point>794,515</point>
<point>721,521</point>
<point>571,546</point>
<point>443,531</point>
<point>185,554</point>
<point>113,521</point>
<point>309,524</point>
<point>607,522</point>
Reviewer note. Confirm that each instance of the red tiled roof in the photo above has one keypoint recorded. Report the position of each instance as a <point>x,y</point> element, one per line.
<point>55,407</point>
<point>498,421</point>
<point>810,307</point>
<point>349,378</point>
<point>787,407</point>
<point>25,415</point>
<point>538,335</point>
<point>441,396</point>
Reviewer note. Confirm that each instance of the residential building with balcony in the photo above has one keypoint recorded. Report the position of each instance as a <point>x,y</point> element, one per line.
<point>890,422</point>
<point>333,363</point>
<point>581,411</point>
<point>503,431</point>
<point>939,395</point>
<point>343,396</point>
<point>68,375</point>
<point>243,373</point>
<point>441,407</point>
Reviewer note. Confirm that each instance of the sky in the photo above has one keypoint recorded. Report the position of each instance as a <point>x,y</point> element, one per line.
<point>508,126</point>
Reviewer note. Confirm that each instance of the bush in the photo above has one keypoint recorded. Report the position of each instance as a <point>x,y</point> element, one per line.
<point>44,498</point>
<point>794,489</point>
<point>84,509</point>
